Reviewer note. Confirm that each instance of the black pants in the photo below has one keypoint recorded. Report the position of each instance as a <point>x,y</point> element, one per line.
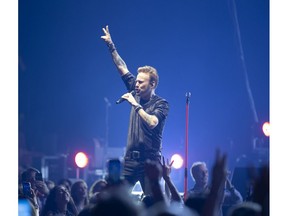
<point>134,171</point>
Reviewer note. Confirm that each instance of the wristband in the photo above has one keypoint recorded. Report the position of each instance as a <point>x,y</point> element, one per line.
<point>111,47</point>
<point>137,108</point>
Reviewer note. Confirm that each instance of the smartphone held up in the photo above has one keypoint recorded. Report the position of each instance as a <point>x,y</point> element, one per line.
<point>114,171</point>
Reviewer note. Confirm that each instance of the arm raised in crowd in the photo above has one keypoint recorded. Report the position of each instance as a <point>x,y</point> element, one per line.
<point>153,172</point>
<point>216,195</point>
<point>169,185</point>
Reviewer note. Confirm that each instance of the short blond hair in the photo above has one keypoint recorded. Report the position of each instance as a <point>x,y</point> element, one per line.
<point>195,167</point>
<point>152,73</point>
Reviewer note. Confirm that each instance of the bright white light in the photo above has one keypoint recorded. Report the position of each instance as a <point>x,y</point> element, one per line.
<point>178,161</point>
<point>81,159</point>
<point>266,129</point>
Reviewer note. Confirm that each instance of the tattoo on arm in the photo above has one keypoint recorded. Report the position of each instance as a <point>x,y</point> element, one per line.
<point>119,62</point>
<point>148,119</point>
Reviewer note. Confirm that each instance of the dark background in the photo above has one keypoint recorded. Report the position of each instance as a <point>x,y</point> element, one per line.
<point>66,72</point>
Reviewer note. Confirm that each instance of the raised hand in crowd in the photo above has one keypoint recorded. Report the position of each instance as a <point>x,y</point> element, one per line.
<point>153,173</point>
<point>216,195</point>
<point>169,185</point>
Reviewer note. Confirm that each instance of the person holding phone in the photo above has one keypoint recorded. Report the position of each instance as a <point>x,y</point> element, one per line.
<point>37,185</point>
<point>27,195</point>
<point>147,117</point>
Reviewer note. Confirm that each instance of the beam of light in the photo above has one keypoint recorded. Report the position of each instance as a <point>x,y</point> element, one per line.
<point>242,58</point>
<point>81,159</point>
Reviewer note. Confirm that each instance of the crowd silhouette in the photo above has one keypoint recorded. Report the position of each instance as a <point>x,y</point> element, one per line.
<point>105,197</point>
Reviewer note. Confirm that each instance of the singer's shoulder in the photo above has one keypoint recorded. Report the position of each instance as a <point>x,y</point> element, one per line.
<point>159,99</point>
<point>127,75</point>
<point>161,105</point>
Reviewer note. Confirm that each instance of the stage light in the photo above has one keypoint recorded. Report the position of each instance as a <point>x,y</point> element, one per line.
<point>266,129</point>
<point>178,161</point>
<point>81,159</point>
<point>261,136</point>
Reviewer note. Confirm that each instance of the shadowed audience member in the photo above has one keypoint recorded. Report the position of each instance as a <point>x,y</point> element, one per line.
<point>96,188</point>
<point>79,193</point>
<point>38,186</point>
<point>59,202</point>
<point>201,189</point>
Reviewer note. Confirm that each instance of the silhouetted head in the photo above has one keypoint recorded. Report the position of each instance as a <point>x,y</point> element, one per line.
<point>199,173</point>
<point>245,208</point>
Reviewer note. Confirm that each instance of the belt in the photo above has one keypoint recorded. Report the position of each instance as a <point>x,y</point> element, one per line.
<point>137,155</point>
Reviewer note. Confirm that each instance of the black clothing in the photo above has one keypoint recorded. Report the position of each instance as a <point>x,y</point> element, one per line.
<point>140,136</point>
<point>143,142</point>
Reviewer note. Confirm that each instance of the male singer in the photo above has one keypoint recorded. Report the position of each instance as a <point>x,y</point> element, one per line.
<point>147,117</point>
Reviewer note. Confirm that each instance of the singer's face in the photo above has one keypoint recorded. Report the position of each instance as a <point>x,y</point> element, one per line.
<point>143,86</point>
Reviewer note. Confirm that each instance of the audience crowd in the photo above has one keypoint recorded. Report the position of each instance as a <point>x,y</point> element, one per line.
<point>106,197</point>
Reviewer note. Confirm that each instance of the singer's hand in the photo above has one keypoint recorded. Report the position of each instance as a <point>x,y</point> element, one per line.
<point>107,37</point>
<point>130,98</point>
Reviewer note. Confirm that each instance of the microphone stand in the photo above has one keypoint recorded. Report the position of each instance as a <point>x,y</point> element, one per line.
<point>188,95</point>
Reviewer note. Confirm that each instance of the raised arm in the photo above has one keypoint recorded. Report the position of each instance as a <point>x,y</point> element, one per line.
<point>212,205</point>
<point>153,173</point>
<point>234,197</point>
<point>169,185</point>
<point>118,61</point>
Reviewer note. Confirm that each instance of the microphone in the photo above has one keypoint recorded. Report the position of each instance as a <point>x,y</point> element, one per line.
<point>188,95</point>
<point>120,100</point>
